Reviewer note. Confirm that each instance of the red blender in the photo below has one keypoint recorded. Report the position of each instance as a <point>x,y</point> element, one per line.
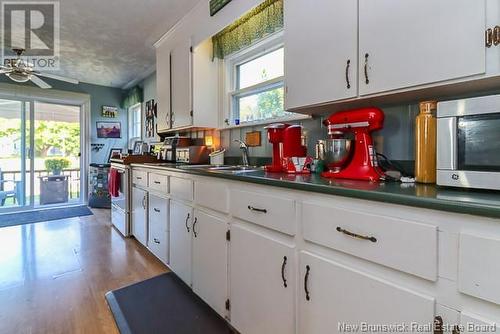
<point>353,159</point>
<point>289,155</point>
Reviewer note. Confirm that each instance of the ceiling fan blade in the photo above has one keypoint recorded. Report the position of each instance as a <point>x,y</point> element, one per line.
<point>58,77</point>
<point>39,82</point>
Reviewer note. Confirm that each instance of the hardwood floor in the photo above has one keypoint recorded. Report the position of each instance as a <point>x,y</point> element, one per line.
<point>53,275</point>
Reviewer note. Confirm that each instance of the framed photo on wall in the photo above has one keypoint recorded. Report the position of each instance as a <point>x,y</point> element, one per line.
<point>109,112</point>
<point>109,129</point>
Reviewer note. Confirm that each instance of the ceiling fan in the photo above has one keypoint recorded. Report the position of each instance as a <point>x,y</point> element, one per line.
<point>20,70</point>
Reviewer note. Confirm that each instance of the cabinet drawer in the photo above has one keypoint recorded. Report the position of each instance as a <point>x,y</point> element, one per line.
<point>212,195</point>
<point>271,211</point>
<point>181,188</point>
<point>400,244</point>
<point>158,182</point>
<point>479,267</point>
<point>140,178</point>
<point>158,227</point>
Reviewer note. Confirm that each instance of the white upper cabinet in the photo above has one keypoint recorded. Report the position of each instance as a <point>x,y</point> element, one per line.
<point>415,42</point>
<point>205,86</point>
<point>163,87</point>
<point>181,81</point>
<point>321,48</point>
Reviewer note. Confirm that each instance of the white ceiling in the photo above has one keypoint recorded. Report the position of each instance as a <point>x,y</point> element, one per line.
<point>109,42</point>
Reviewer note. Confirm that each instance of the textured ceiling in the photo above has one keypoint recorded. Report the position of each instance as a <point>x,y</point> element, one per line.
<point>109,42</point>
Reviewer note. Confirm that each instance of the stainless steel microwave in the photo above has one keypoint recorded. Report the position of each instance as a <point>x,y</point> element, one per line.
<point>468,143</point>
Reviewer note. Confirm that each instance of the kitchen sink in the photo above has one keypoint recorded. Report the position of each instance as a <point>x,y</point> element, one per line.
<point>224,168</point>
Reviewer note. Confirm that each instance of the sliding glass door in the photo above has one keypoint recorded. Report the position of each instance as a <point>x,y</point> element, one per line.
<point>40,159</point>
<point>14,157</point>
<point>57,146</point>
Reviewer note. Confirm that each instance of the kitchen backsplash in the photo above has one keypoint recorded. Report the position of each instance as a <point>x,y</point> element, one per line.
<point>395,140</point>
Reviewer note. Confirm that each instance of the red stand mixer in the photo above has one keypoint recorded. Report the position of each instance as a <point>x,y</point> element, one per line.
<point>353,159</point>
<point>289,155</point>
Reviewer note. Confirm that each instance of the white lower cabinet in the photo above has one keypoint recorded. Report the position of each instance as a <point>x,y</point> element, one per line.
<point>181,218</point>
<point>210,260</point>
<point>139,218</point>
<point>335,297</point>
<point>262,283</point>
<point>158,226</point>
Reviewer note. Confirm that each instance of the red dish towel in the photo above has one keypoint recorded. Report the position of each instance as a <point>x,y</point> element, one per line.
<point>114,182</point>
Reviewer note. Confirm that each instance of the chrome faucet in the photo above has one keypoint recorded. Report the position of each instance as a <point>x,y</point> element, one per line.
<point>244,151</point>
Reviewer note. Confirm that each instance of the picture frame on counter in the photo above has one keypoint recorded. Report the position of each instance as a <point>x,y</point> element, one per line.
<point>109,112</point>
<point>137,147</point>
<point>113,152</point>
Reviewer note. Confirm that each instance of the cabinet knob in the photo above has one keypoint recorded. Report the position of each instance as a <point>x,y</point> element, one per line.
<point>283,265</point>
<point>347,74</point>
<point>355,235</point>
<point>367,80</point>
<point>251,208</point>
<point>488,37</point>
<point>306,283</point>
<point>156,210</point>
<point>187,218</point>
<point>156,241</point>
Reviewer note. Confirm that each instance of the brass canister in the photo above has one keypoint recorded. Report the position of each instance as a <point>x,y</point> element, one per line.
<point>425,143</point>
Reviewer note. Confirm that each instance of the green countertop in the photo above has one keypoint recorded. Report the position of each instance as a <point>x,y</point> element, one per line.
<point>474,202</point>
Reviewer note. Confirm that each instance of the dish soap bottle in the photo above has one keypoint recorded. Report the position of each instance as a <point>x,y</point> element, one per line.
<point>425,143</point>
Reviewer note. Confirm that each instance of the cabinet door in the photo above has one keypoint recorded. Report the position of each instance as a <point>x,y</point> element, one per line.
<point>158,226</point>
<point>210,260</point>
<point>181,85</point>
<point>163,87</point>
<point>205,86</point>
<point>320,56</point>
<point>417,42</point>
<point>262,283</point>
<point>181,217</point>
<point>475,324</point>
<point>333,296</point>
<point>139,215</point>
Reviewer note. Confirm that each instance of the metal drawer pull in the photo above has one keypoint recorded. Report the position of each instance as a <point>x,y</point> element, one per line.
<point>354,235</point>
<point>347,74</point>
<point>438,325</point>
<point>157,182</point>
<point>156,240</point>
<point>144,202</point>
<point>306,280</point>
<point>251,208</point>
<point>187,218</point>
<point>489,37</point>
<point>138,178</point>
<point>366,68</point>
<point>496,35</point>
<point>156,210</point>
<point>283,265</point>
<point>194,231</point>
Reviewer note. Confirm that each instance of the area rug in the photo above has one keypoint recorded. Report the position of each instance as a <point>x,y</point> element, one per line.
<point>163,304</point>
<point>37,216</point>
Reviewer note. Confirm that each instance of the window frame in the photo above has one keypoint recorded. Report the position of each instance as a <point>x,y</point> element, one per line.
<point>231,92</point>
<point>131,123</point>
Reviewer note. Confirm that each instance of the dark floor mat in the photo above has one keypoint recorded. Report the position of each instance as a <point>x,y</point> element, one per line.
<point>163,304</point>
<point>43,215</point>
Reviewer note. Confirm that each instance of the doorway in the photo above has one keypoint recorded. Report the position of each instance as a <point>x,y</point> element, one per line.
<point>40,154</point>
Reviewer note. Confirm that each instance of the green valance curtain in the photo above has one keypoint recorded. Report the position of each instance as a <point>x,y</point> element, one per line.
<point>133,97</point>
<point>263,20</point>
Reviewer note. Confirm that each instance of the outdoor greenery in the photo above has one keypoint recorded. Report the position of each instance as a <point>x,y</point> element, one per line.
<point>60,136</point>
<point>57,164</point>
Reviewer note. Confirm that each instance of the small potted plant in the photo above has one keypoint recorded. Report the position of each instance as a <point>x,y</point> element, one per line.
<point>56,165</point>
